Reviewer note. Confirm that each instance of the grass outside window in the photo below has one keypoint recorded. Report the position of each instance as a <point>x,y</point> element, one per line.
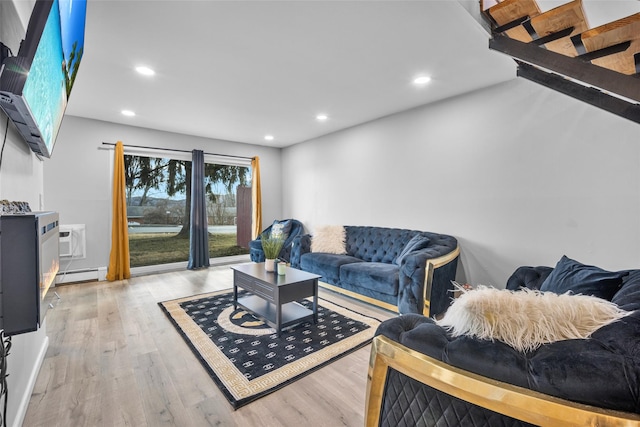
<point>164,248</point>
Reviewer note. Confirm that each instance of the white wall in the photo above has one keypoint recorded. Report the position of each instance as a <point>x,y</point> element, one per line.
<point>21,180</point>
<point>518,173</point>
<point>78,182</point>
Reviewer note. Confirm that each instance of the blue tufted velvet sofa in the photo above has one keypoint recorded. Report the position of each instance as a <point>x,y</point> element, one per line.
<point>420,375</point>
<point>419,283</point>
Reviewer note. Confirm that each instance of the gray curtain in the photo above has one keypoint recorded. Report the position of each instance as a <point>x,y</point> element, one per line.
<point>198,233</point>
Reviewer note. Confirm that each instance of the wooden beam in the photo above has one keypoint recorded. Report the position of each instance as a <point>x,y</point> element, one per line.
<point>592,75</point>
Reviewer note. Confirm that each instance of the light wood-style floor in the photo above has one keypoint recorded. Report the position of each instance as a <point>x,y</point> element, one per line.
<point>114,359</point>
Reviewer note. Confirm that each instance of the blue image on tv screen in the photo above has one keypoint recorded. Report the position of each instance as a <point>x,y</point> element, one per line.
<point>54,66</point>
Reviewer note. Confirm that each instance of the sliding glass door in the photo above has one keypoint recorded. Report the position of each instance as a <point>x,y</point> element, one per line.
<point>158,207</point>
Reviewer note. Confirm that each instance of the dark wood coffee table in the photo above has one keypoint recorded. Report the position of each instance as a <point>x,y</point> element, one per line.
<point>273,297</point>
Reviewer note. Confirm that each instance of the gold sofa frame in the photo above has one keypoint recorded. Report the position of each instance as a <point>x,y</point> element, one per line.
<point>430,268</point>
<point>513,401</point>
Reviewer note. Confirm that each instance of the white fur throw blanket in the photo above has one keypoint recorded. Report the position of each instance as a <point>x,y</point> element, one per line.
<point>527,319</point>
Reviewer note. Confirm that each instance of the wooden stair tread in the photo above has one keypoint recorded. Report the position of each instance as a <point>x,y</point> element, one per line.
<point>511,10</point>
<point>615,32</point>
<point>560,18</point>
<point>623,30</point>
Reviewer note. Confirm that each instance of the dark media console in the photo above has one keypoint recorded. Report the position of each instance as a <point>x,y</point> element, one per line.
<point>29,263</point>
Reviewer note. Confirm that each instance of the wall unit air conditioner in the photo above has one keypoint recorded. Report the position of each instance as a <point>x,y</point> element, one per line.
<point>72,241</point>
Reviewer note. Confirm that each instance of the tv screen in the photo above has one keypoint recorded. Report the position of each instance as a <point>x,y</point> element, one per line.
<point>36,84</point>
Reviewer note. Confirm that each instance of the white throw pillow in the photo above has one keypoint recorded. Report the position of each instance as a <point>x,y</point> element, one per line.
<point>329,239</point>
<point>527,319</point>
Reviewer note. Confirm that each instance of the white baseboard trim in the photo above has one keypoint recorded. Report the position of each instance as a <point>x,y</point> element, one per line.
<point>26,397</point>
<point>100,273</point>
<point>78,276</point>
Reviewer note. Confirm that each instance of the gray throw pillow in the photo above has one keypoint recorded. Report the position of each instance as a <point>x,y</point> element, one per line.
<point>570,275</point>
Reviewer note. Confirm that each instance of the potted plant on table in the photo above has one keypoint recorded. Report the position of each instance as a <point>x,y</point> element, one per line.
<point>271,245</point>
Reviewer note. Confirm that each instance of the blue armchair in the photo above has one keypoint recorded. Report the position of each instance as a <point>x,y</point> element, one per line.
<point>419,374</point>
<point>292,228</point>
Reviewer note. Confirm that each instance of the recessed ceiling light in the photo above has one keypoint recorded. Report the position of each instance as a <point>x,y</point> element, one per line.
<point>145,71</point>
<point>322,117</point>
<point>128,113</point>
<point>422,80</point>
<point>268,137</point>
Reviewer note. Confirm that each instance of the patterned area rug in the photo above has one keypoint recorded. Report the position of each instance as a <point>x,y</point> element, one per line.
<point>247,359</point>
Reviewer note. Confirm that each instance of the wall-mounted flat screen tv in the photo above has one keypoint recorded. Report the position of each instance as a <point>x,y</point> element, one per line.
<point>36,83</point>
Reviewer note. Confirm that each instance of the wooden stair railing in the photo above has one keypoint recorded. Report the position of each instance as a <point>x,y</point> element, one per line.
<point>537,37</point>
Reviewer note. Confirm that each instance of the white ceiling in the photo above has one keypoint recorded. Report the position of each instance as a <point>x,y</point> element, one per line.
<point>238,70</point>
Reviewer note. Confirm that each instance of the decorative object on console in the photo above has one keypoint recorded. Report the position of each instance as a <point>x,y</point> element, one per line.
<point>247,359</point>
<point>527,319</point>
<point>329,239</point>
<point>7,207</point>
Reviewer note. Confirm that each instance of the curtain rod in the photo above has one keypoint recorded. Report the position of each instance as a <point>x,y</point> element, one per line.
<point>179,151</point>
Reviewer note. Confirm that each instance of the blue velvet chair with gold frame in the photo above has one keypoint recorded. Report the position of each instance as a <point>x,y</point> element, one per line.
<point>420,375</point>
